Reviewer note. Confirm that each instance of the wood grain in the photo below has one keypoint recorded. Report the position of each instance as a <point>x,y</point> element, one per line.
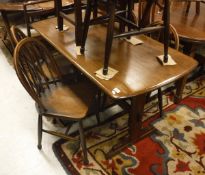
<point>139,70</point>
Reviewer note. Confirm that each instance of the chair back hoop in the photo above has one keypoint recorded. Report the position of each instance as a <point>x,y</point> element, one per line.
<point>31,59</point>
<point>173,34</point>
<point>17,34</point>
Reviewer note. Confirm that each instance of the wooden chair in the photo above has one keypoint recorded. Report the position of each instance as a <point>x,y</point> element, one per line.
<point>17,34</point>
<point>53,97</point>
<point>125,17</point>
<point>65,66</point>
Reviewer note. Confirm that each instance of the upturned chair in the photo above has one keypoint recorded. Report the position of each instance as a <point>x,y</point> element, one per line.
<point>53,97</point>
<point>121,11</point>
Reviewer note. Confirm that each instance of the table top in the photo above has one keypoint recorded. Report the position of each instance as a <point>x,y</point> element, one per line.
<point>139,70</point>
<point>191,26</point>
<point>17,5</point>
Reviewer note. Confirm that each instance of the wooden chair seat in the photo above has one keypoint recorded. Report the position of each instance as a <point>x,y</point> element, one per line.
<point>69,101</point>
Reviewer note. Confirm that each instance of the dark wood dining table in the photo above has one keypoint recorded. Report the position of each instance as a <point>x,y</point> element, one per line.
<point>190,25</point>
<point>139,70</point>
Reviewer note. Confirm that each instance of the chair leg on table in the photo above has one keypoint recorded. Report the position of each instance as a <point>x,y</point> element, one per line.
<point>160,102</point>
<point>39,131</point>
<point>109,37</point>
<point>83,143</point>
<point>86,25</point>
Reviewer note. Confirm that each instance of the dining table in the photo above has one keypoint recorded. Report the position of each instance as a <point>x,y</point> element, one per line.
<point>189,24</point>
<point>137,66</point>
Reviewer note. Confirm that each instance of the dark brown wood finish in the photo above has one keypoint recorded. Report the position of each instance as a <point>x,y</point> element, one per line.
<point>113,14</point>
<point>54,98</point>
<point>11,6</point>
<point>139,70</point>
<point>66,68</point>
<point>189,26</point>
<point>15,5</point>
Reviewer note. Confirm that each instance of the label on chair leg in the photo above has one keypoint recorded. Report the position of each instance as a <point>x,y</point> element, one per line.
<point>169,62</point>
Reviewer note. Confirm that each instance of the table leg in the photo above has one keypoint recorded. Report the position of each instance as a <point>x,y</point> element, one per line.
<point>7,26</point>
<point>136,130</point>
<point>197,7</point>
<point>179,89</point>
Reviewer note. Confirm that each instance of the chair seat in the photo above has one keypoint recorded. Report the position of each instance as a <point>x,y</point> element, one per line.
<point>69,100</point>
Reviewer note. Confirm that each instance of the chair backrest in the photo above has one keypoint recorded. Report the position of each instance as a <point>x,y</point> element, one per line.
<point>159,35</point>
<point>17,34</point>
<point>31,59</point>
<point>147,10</point>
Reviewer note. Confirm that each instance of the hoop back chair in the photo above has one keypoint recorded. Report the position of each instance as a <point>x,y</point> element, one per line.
<point>17,34</point>
<point>53,97</point>
<point>65,66</point>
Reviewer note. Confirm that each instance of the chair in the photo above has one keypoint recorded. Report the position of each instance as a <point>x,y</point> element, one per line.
<point>53,97</point>
<point>65,66</point>
<point>121,11</point>
<point>17,34</point>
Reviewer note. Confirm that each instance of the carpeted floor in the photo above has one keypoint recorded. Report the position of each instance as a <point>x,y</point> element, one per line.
<point>178,146</point>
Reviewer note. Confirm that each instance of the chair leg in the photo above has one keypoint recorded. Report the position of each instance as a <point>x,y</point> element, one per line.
<point>109,37</point>
<point>39,131</point>
<point>86,25</point>
<point>83,143</point>
<point>160,102</point>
